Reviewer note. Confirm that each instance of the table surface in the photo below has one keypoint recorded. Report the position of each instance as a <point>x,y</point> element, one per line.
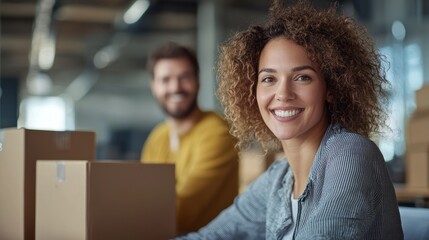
<point>404,192</point>
<point>418,197</point>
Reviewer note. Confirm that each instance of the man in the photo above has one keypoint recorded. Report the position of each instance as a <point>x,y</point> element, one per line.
<point>198,142</point>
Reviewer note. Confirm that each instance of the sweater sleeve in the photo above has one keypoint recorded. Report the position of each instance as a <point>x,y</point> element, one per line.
<point>211,181</point>
<point>156,146</point>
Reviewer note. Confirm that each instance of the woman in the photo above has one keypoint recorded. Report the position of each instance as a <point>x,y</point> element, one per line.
<point>308,83</point>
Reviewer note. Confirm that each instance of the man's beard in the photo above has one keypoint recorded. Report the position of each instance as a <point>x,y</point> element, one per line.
<point>182,114</point>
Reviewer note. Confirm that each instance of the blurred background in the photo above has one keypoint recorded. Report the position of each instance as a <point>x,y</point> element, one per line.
<point>80,64</point>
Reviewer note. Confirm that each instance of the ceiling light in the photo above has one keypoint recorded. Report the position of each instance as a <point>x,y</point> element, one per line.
<point>398,30</point>
<point>134,13</point>
<point>106,56</point>
<point>47,52</point>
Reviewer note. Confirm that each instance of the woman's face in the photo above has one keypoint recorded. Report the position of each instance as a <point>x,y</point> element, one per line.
<point>291,92</point>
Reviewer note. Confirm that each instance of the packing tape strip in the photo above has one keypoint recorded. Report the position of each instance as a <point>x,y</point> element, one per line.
<point>61,171</point>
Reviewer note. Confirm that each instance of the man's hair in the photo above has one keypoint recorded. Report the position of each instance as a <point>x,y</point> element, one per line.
<point>172,50</point>
<point>343,50</point>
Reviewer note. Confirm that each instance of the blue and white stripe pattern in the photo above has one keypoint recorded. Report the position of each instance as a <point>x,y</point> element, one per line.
<point>349,195</point>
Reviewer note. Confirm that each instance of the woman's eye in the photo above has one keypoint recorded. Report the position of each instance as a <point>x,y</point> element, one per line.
<point>267,80</point>
<point>303,78</point>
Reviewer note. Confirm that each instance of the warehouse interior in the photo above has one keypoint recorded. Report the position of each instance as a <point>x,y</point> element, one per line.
<point>81,65</point>
<point>76,70</point>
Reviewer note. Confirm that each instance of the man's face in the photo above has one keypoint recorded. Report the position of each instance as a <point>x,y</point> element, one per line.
<point>175,86</point>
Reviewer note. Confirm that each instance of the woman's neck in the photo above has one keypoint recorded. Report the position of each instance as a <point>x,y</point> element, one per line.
<point>300,154</point>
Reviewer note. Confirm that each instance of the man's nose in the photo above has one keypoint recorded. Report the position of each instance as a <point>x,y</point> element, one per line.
<point>174,85</point>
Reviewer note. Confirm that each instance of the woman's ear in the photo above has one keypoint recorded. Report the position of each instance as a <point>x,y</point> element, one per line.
<point>329,96</point>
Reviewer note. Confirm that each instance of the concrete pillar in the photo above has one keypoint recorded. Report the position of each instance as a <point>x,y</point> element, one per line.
<point>207,45</point>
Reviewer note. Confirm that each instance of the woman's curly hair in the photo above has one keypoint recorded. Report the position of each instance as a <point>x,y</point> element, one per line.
<point>343,50</point>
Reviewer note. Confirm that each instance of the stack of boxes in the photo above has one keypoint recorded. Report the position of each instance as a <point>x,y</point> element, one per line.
<point>20,150</point>
<point>417,157</point>
<point>51,187</point>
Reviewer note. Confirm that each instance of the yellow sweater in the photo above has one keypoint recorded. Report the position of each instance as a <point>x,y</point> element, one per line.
<point>206,169</point>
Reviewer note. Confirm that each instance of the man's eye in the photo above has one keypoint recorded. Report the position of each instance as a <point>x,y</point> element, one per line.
<point>186,78</point>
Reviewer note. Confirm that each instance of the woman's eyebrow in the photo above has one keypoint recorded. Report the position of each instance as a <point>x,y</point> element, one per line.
<point>300,68</point>
<point>295,69</point>
<point>267,70</point>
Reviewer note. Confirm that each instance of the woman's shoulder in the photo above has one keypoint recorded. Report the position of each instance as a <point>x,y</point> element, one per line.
<point>276,176</point>
<point>349,149</point>
<point>278,171</point>
<point>340,139</point>
<point>278,165</point>
<point>275,172</point>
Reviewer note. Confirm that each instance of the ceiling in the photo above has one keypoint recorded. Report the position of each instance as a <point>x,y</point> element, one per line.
<point>82,28</point>
<point>112,94</point>
<point>85,32</point>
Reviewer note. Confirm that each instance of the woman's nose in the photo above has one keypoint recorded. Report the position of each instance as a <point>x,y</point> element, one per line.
<point>284,91</point>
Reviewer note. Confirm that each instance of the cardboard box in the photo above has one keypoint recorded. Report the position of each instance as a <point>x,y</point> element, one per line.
<point>418,131</point>
<point>252,164</point>
<point>417,169</point>
<point>422,99</point>
<point>19,150</point>
<point>102,200</point>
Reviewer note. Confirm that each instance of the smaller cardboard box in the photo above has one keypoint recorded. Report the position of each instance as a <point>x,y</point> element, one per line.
<point>422,99</point>
<point>417,169</point>
<point>418,131</point>
<point>104,200</point>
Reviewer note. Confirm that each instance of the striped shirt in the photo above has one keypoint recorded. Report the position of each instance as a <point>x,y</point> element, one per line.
<point>349,195</point>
